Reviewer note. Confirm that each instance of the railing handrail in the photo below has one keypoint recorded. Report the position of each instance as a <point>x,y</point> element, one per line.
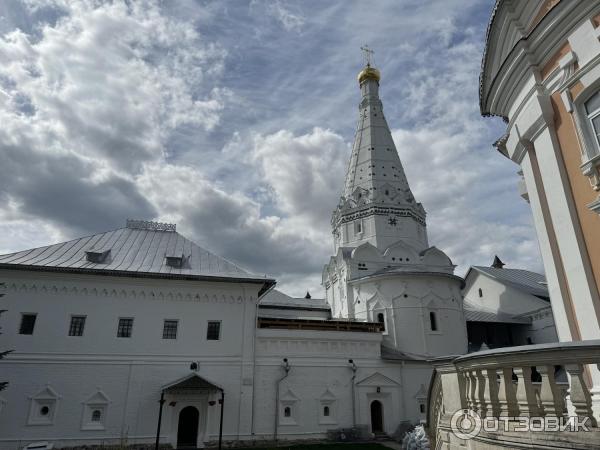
<point>559,353</point>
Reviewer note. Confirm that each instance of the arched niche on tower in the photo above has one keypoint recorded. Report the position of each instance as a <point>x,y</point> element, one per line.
<point>366,252</point>
<point>401,252</point>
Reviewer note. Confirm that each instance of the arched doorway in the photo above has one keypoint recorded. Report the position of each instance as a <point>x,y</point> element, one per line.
<point>376,417</point>
<point>187,429</point>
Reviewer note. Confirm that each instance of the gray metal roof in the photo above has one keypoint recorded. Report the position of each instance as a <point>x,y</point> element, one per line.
<point>474,313</point>
<point>278,299</point>
<point>138,249</point>
<point>531,282</point>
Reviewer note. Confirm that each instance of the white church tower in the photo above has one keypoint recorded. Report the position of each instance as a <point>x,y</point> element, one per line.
<point>383,268</point>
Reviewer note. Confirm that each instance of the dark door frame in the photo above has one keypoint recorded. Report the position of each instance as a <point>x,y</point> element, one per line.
<point>376,416</point>
<point>187,427</point>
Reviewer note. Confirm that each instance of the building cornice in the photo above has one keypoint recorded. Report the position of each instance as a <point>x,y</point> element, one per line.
<point>529,53</point>
<point>266,282</point>
<point>372,209</point>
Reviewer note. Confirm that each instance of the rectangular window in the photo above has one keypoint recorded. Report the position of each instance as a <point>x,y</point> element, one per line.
<point>125,327</point>
<point>592,108</point>
<point>170,329</point>
<point>77,325</point>
<point>358,227</point>
<point>27,323</point>
<point>213,332</point>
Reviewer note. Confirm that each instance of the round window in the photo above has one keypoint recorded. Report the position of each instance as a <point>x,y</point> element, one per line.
<point>44,411</point>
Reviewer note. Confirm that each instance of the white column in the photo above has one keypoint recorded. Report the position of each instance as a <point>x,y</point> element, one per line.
<point>566,228</point>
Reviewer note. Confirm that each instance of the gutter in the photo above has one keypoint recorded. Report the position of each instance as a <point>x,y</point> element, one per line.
<point>287,368</point>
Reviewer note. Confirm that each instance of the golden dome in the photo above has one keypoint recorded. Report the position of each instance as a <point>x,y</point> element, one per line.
<point>369,73</point>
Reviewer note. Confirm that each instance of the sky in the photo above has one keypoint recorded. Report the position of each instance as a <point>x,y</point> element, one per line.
<point>235,119</point>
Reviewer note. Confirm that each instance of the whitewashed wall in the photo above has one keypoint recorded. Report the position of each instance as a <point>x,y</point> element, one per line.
<point>129,371</point>
<point>321,375</point>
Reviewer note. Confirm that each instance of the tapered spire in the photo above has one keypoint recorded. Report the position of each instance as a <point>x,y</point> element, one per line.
<point>374,164</point>
<point>375,178</point>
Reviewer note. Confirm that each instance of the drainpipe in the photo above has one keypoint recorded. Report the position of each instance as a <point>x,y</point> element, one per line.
<point>221,420</point>
<point>354,368</point>
<point>286,367</point>
<point>162,402</point>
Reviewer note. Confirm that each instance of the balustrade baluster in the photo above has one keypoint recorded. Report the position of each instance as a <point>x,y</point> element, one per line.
<point>525,394</point>
<point>491,392</point>
<point>482,387</point>
<point>550,396</point>
<point>579,392</point>
<point>473,390</point>
<point>467,385</point>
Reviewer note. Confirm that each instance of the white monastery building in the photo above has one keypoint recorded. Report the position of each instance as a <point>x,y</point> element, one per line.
<point>507,307</point>
<point>104,327</point>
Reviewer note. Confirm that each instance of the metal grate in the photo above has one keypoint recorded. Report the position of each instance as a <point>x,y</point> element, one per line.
<point>77,325</point>
<point>213,330</point>
<point>125,328</point>
<point>170,329</point>
<point>149,225</point>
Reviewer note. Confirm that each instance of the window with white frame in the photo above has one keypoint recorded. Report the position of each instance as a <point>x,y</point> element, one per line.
<point>327,408</point>
<point>170,329</point>
<point>381,319</point>
<point>592,111</point>
<point>213,330</point>
<point>125,327</point>
<point>288,408</point>
<point>358,226</point>
<point>94,411</point>
<point>77,325</point>
<point>42,409</point>
<point>434,326</point>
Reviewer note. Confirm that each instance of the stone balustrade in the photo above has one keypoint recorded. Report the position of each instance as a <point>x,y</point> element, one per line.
<point>508,384</point>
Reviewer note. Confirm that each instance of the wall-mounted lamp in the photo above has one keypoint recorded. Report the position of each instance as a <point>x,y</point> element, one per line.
<point>194,366</point>
<point>212,403</point>
<point>353,366</point>
<point>378,389</point>
<point>286,365</point>
<point>172,403</point>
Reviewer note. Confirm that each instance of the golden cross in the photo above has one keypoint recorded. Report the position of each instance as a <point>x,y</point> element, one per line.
<point>368,54</point>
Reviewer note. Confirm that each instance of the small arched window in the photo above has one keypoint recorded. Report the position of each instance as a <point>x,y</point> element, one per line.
<point>381,319</point>
<point>326,411</point>
<point>287,412</point>
<point>433,321</point>
<point>96,415</point>
<point>480,293</point>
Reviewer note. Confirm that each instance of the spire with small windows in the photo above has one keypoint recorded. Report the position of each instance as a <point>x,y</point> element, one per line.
<point>375,177</point>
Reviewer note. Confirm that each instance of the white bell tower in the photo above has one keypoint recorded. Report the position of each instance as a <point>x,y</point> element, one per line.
<point>383,268</point>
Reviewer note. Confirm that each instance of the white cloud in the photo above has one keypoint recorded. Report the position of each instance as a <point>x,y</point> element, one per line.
<point>93,96</point>
<point>304,172</point>
<point>218,117</point>
<point>284,13</point>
